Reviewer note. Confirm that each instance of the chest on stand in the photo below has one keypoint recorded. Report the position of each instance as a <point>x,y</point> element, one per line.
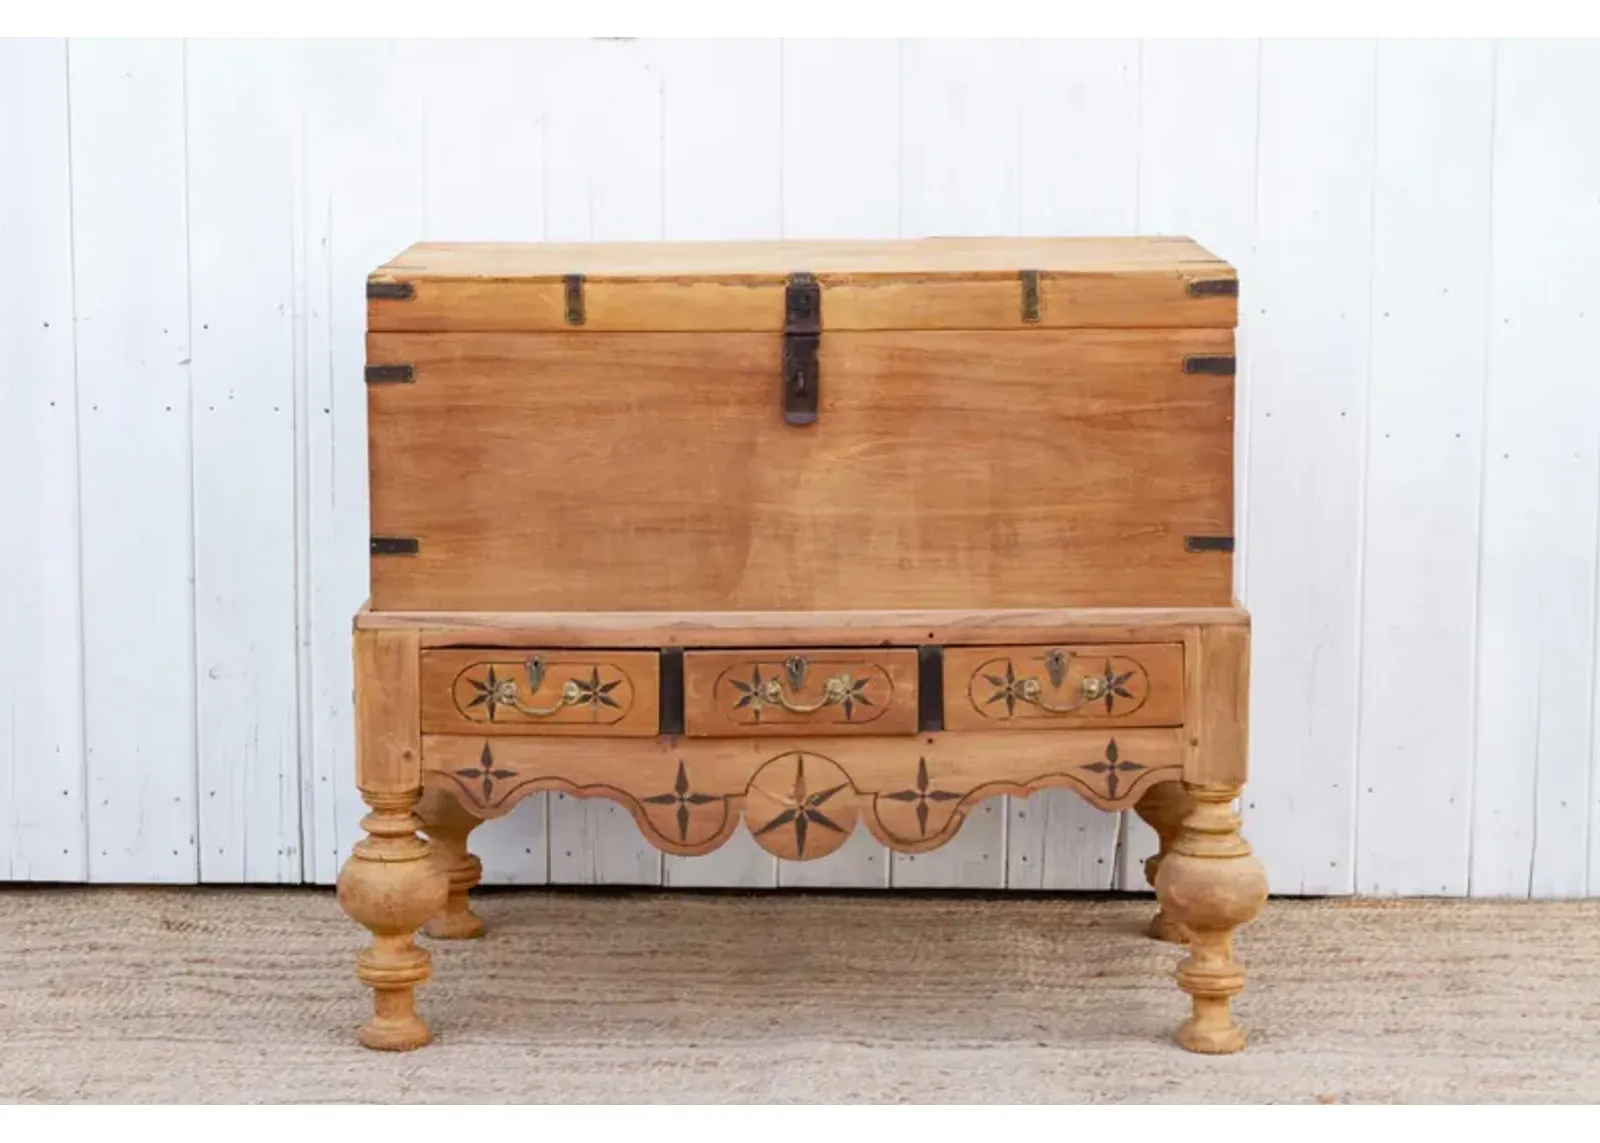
<point>813,537</point>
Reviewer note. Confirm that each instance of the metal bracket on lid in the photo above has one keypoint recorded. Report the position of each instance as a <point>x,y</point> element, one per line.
<point>1217,365</point>
<point>1030,296</point>
<point>572,286</point>
<point>390,291</point>
<point>802,331</point>
<point>395,374</point>
<point>1214,288</point>
<point>395,546</point>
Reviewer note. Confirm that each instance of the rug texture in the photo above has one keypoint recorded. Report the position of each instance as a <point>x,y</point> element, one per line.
<point>247,996</point>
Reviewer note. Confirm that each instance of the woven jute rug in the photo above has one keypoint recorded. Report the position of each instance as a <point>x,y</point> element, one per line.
<point>247,996</point>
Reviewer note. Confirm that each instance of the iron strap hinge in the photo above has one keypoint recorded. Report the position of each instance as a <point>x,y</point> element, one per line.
<point>802,331</point>
<point>396,374</point>
<point>390,291</point>
<point>1214,288</point>
<point>572,296</point>
<point>1030,296</point>
<point>1215,364</point>
<point>395,546</point>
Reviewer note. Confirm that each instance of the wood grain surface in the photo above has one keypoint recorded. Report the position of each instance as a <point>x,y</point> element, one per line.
<point>1047,469</point>
<point>913,792</point>
<point>388,733</point>
<point>799,629</point>
<point>1219,751</point>
<point>924,283</point>
<point>766,259</point>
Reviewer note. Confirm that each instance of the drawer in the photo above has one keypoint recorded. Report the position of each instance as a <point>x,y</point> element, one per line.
<point>789,692</point>
<point>1037,687</point>
<point>500,691</point>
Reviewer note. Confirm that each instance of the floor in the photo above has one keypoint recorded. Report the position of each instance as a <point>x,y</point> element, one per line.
<point>210,995</point>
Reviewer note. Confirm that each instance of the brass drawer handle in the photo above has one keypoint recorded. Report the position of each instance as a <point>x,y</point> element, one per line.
<point>834,692</point>
<point>1030,690</point>
<point>843,689</point>
<point>1093,687</point>
<point>574,692</point>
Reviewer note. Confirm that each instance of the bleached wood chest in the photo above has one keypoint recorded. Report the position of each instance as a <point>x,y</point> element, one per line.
<point>807,537</point>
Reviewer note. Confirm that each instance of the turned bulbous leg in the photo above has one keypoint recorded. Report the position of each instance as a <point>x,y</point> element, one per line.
<point>1210,883</point>
<point>447,823</point>
<point>1163,809</point>
<point>392,885</point>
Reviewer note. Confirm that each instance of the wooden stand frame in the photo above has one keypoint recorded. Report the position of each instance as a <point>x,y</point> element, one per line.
<point>801,790</point>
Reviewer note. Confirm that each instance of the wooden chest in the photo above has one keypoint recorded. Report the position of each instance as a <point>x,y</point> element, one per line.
<point>812,536</point>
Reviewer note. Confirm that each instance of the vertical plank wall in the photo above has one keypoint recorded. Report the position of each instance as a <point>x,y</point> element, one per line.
<point>187,226</point>
<point>43,778</point>
<point>136,478</point>
<point>1304,422</point>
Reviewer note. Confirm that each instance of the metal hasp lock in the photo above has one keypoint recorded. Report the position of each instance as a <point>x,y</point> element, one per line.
<point>802,330</point>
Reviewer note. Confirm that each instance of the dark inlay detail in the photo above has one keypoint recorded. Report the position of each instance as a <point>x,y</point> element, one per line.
<point>1115,686</point>
<point>486,771</point>
<point>683,796</point>
<point>672,700</point>
<point>921,794</point>
<point>1112,765</point>
<point>930,688</point>
<point>804,810</point>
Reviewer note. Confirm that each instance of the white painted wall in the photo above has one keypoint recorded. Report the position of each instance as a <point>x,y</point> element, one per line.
<point>187,226</point>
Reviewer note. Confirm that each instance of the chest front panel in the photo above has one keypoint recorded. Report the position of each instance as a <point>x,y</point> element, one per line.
<point>945,469</point>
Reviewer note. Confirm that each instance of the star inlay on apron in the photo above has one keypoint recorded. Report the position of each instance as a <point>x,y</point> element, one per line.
<point>487,772</point>
<point>804,810</point>
<point>922,795</point>
<point>683,796</point>
<point>1112,765</point>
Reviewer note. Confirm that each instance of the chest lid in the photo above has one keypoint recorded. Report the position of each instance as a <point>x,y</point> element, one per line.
<point>901,284</point>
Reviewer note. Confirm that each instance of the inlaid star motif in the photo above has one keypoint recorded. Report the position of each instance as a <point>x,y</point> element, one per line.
<point>1010,688</point>
<point>1112,765</point>
<point>751,694</point>
<point>922,795</point>
<point>497,692</point>
<point>683,796</point>
<point>1115,685</point>
<point>486,771</point>
<point>853,694</point>
<point>592,692</point>
<point>804,810</point>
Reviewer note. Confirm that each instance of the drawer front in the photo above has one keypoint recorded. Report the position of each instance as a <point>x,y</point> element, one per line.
<point>500,691</point>
<point>1038,687</point>
<point>747,694</point>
